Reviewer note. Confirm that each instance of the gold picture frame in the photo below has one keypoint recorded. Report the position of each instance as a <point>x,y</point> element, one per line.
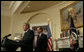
<point>64,15</point>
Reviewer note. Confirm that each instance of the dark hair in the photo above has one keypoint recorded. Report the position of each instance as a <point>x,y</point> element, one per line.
<point>41,29</point>
<point>27,24</point>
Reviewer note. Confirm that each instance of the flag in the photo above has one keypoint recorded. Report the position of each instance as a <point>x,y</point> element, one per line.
<point>50,44</point>
<point>74,35</point>
<point>72,27</point>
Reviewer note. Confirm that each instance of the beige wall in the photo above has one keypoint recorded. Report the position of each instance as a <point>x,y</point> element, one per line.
<point>5,26</point>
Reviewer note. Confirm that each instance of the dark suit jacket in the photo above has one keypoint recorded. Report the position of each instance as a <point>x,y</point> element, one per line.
<point>41,43</point>
<point>27,41</point>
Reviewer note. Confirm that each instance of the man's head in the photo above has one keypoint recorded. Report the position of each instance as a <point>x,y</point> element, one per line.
<point>39,30</point>
<point>26,26</point>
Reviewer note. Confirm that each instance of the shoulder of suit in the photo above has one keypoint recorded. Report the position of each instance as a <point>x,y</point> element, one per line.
<point>31,31</point>
<point>44,35</point>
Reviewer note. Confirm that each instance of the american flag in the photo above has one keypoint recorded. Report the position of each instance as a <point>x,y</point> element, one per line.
<point>50,44</point>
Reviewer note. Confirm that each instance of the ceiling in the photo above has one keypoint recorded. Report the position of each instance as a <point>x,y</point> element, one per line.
<point>11,7</point>
<point>5,5</point>
<point>38,5</point>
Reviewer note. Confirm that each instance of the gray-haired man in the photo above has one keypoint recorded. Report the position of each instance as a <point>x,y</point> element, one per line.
<point>27,40</point>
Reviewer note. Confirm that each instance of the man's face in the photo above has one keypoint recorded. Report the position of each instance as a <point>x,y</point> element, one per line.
<point>38,30</point>
<point>25,27</point>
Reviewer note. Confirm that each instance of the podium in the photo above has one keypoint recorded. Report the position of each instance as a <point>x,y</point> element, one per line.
<point>9,45</point>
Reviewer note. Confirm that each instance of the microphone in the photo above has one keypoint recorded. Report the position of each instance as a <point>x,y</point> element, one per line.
<point>8,35</point>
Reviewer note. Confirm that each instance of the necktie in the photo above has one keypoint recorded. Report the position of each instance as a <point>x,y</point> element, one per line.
<point>38,37</point>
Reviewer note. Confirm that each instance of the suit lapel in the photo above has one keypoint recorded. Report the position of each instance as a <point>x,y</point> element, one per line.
<point>26,34</point>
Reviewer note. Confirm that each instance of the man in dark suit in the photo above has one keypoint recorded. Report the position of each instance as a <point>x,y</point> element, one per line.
<point>41,40</point>
<point>27,40</point>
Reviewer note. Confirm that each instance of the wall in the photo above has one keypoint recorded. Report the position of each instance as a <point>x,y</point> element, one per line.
<point>5,26</point>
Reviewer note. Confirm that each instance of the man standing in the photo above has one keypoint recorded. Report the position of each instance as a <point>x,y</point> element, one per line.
<point>27,40</point>
<point>41,40</point>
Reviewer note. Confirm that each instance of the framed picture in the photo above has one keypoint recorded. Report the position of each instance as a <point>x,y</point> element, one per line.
<point>78,10</point>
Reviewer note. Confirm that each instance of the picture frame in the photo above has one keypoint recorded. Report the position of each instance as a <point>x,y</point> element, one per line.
<point>78,5</point>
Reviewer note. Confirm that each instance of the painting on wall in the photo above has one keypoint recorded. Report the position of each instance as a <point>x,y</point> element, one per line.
<point>78,10</point>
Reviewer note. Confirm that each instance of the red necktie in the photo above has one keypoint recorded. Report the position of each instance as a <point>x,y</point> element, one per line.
<point>38,37</point>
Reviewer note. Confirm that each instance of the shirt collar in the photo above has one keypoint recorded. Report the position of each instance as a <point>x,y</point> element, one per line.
<point>40,34</point>
<point>26,30</point>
